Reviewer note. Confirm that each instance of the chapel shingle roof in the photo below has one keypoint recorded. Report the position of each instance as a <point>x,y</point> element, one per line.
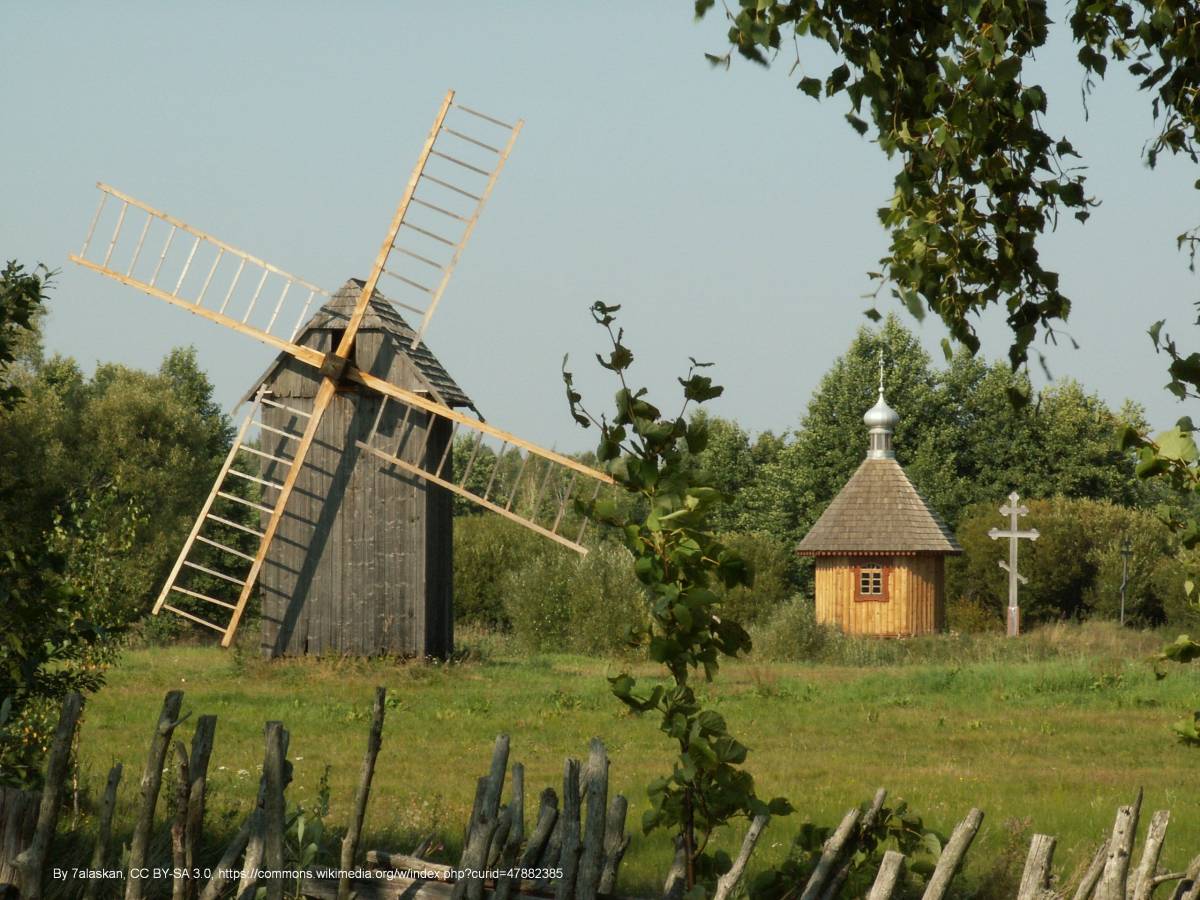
<point>878,511</point>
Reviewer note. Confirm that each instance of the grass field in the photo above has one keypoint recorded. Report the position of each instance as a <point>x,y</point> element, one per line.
<point>1050,735</point>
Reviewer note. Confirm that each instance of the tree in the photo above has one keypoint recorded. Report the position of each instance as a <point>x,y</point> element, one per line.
<point>734,461</point>
<point>124,449</point>
<point>980,447</point>
<point>795,487</point>
<point>979,180</point>
<point>676,558</point>
<point>22,295</point>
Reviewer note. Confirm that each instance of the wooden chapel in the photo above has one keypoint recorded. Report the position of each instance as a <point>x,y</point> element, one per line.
<point>880,548</point>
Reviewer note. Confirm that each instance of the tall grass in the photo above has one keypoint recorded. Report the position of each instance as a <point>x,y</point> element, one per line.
<point>1048,733</point>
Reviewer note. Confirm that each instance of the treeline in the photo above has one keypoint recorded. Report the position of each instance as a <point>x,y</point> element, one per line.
<point>965,446</point>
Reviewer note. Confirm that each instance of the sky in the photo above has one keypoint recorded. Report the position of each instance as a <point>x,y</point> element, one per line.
<point>731,217</point>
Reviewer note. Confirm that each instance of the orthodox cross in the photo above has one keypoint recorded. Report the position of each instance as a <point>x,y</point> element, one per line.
<point>1014,534</point>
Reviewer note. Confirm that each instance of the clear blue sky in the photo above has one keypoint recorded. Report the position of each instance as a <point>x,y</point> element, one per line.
<point>732,217</point>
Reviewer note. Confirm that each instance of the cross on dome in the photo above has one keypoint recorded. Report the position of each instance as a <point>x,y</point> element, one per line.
<point>881,419</point>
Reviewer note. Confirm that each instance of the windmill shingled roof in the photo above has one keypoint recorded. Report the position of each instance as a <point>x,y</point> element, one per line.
<point>382,315</point>
<point>878,511</point>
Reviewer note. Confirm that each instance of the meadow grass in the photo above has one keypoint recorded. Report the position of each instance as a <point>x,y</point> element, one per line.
<point>1049,734</point>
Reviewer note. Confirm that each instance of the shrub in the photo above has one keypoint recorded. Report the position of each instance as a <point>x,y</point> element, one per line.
<point>772,561</point>
<point>1152,548</point>
<point>1168,577</point>
<point>486,547</point>
<point>559,601</point>
<point>1074,568</point>
<point>50,648</point>
<point>968,615</point>
<point>793,633</point>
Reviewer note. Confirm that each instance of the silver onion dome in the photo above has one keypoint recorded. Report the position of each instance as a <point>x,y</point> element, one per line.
<point>881,415</point>
<point>881,419</point>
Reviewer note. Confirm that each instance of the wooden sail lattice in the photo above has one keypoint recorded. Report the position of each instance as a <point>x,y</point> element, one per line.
<point>182,265</point>
<point>188,268</point>
<point>212,570</point>
<point>447,193</point>
<point>539,497</point>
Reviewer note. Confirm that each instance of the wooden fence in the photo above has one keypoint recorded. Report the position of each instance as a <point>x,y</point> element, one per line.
<point>573,850</point>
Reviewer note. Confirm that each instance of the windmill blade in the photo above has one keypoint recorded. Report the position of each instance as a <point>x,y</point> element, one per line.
<point>214,567</point>
<point>186,267</point>
<point>236,565</point>
<point>540,495</point>
<point>446,192</point>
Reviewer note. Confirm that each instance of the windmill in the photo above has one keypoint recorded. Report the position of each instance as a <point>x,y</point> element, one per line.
<point>370,390</point>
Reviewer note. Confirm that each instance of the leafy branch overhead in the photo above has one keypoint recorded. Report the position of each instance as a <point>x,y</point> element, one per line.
<point>943,88</point>
<point>676,558</point>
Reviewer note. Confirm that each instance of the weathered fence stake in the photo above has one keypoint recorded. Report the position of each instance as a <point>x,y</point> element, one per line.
<point>616,842</point>
<point>273,807</point>
<point>183,783</point>
<point>495,785</point>
<point>202,744</point>
<point>568,860</point>
<point>32,861</point>
<point>591,856</point>
<point>1189,888</point>
<point>727,882</point>
<point>1035,880</point>
<point>1144,878</point>
<point>890,871</point>
<point>834,887</point>
<point>18,822</point>
<point>516,833</point>
<point>676,883</point>
<point>1094,870</point>
<point>547,820</point>
<point>1120,848</point>
<point>251,863</point>
<point>475,855</point>
<point>830,854</point>
<point>481,789</point>
<point>104,831</point>
<point>139,844</point>
<point>354,831</point>
<point>224,867</point>
<point>952,856</point>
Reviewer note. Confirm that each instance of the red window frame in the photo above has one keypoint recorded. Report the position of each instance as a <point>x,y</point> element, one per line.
<point>869,566</point>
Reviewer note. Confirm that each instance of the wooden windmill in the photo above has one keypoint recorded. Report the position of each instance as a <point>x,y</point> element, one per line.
<point>349,440</point>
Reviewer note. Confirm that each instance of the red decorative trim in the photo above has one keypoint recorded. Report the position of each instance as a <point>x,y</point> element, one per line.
<point>884,571</point>
<point>884,552</point>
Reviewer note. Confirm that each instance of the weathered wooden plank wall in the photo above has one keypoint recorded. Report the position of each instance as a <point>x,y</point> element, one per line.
<point>362,562</point>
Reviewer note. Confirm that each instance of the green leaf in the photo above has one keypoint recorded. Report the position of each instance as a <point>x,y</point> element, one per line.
<point>1127,437</point>
<point>618,361</point>
<point>700,388</point>
<point>1176,445</point>
<point>810,86</point>
<point>856,123</point>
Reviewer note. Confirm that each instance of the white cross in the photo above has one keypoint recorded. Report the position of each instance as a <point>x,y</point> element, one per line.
<point>1014,534</point>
